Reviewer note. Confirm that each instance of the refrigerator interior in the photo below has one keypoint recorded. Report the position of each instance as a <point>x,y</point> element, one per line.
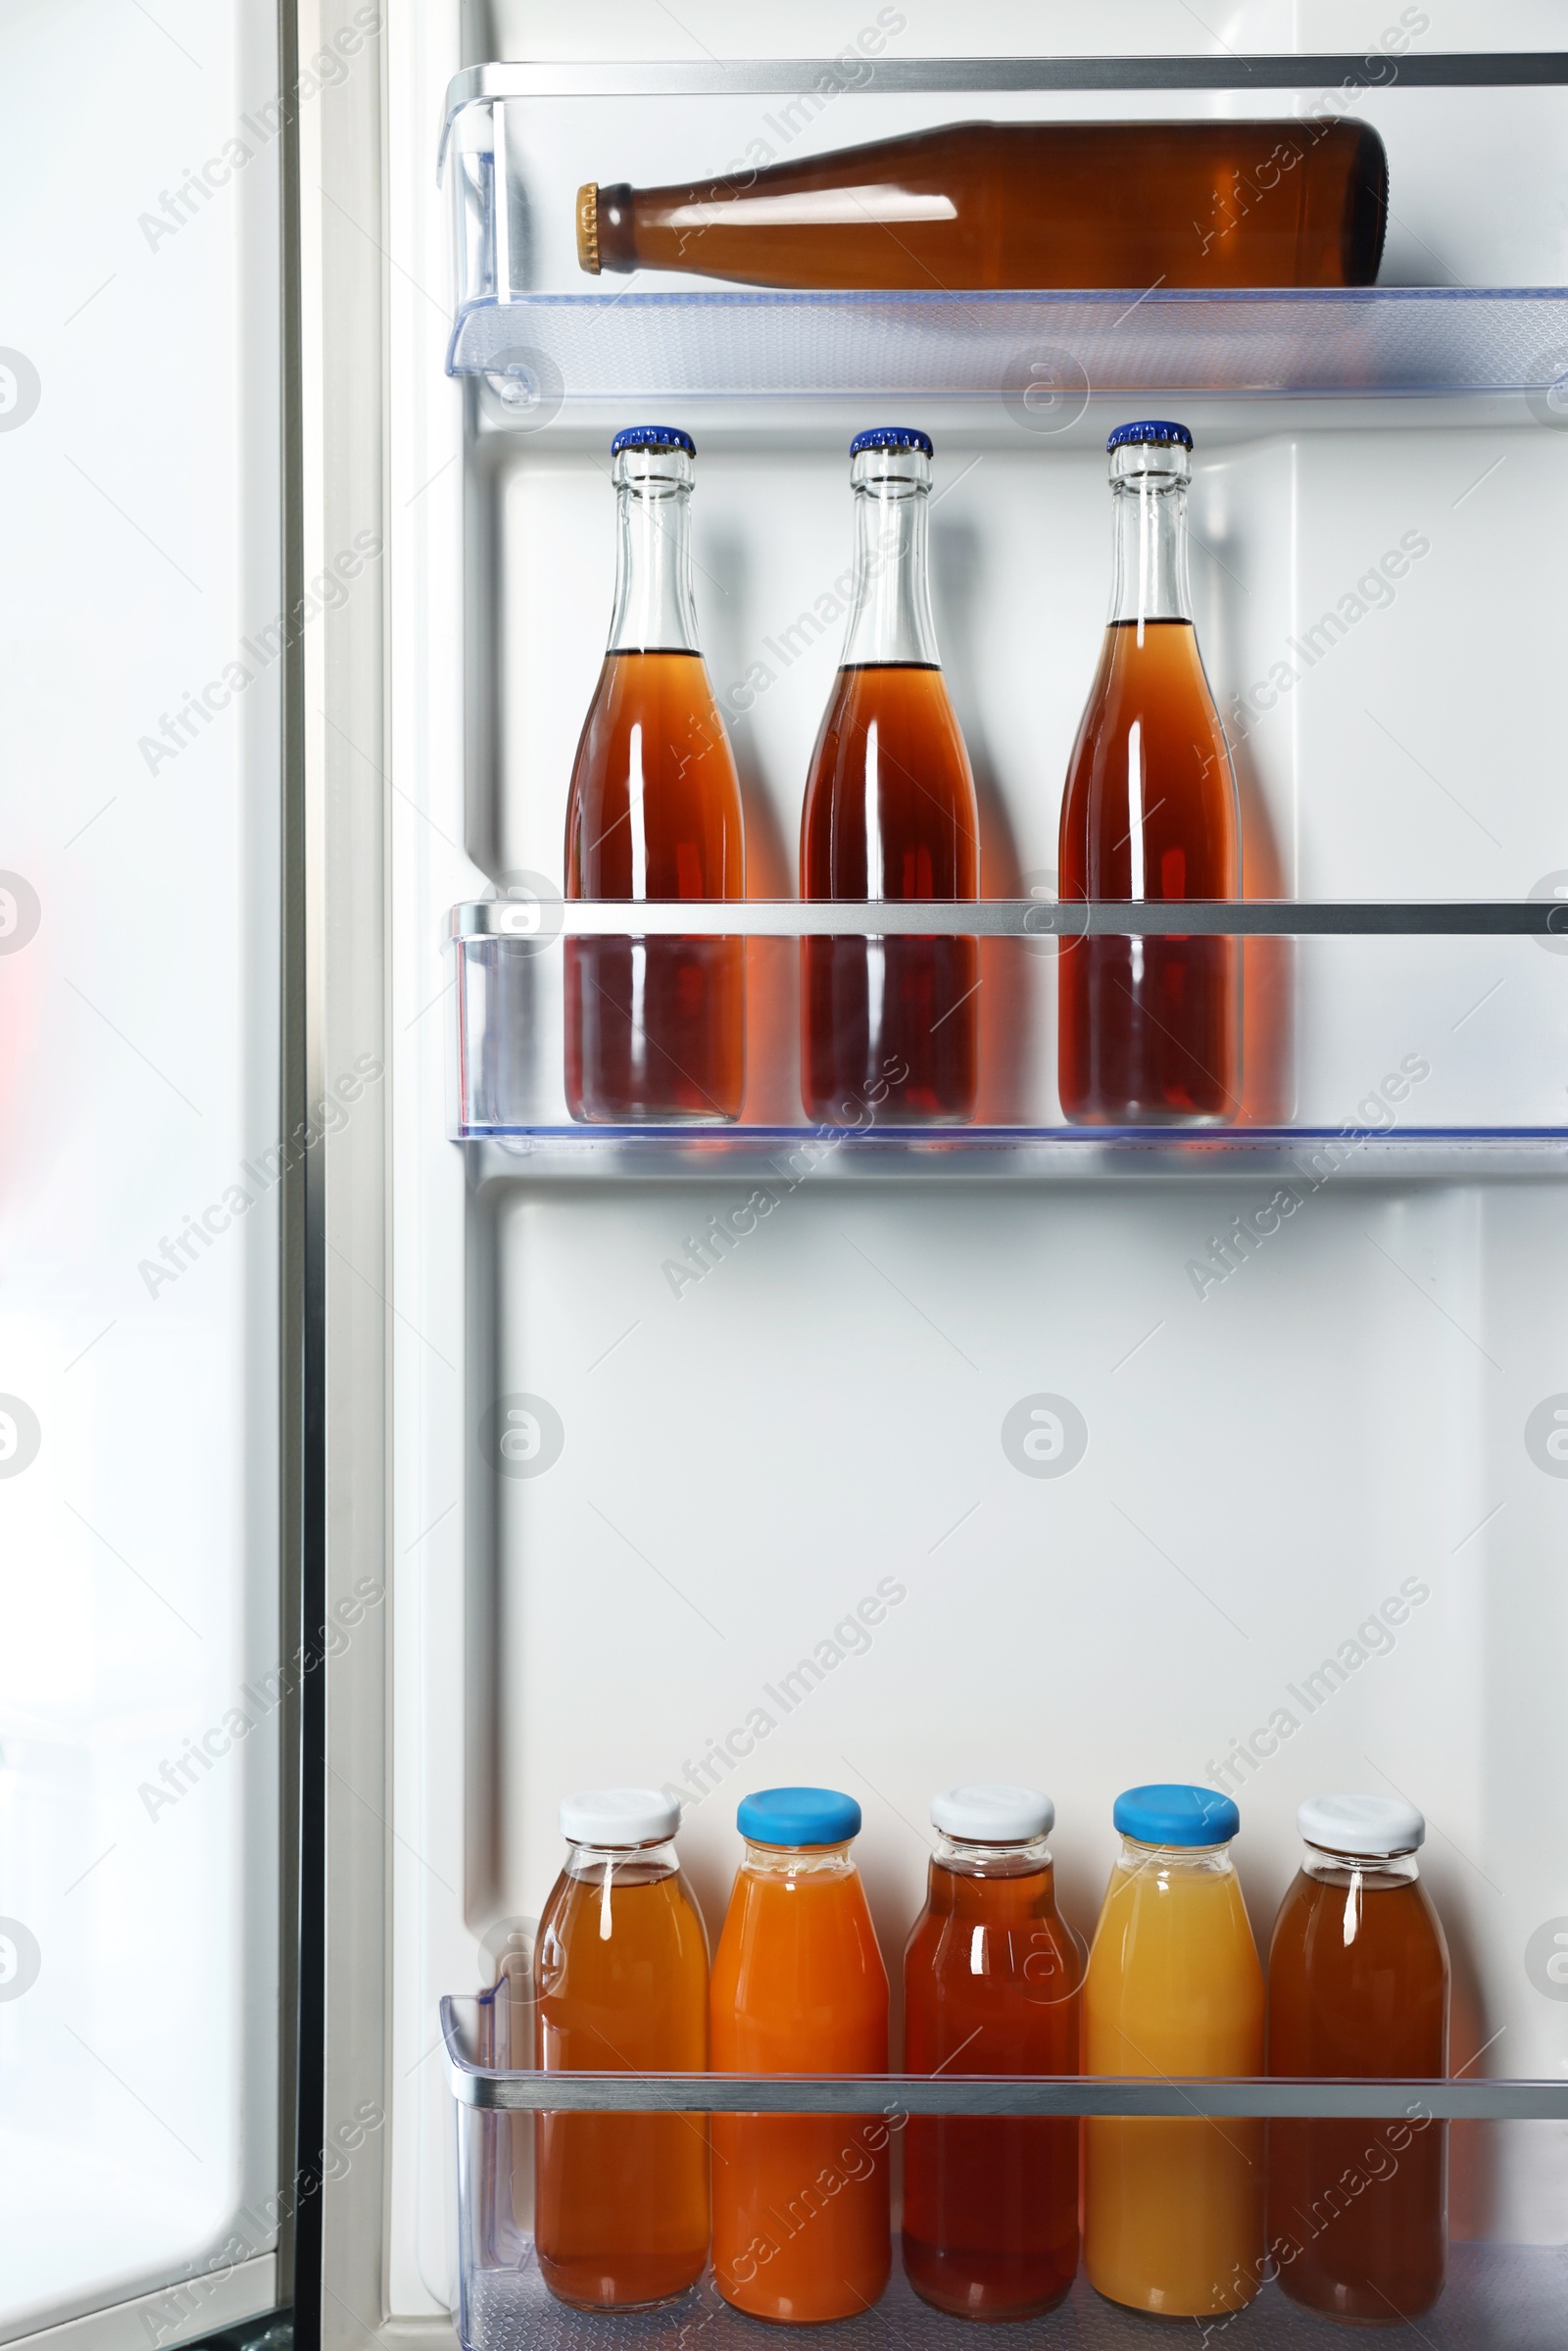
<point>1330,1453</point>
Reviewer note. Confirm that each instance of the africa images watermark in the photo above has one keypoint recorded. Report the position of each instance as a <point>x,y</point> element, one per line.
<point>326,593</point>
<point>1375,1636</point>
<point>1374,1114</point>
<point>728,1228</point>
<point>258,131</point>
<point>257,2224</point>
<point>849,1638</point>
<point>261,1175</point>
<point>865,2144</point>
<point>850,69</point>
<point>1376,2165</point>
<point>262,1699</point>
<point>1373,592</point>
<point>1379,68</point>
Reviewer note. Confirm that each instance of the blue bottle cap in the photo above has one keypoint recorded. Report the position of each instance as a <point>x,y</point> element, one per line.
<point>1173,1815</point>
<point>798,1816</point>
<point>1155,429</point>
<point>653,436</point>
<point>891,436</point>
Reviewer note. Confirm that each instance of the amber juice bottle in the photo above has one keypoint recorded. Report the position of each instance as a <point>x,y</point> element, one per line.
<point>1299,203</point>
<point>655,1025</point>
<point>1149,1029</point>
<point>620,1986</point>
<point>1358,1991</point>
<point>992,1980</point>
<point>889,1025</point>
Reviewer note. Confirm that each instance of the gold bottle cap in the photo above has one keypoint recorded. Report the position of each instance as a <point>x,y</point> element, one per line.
<point>588,227</point>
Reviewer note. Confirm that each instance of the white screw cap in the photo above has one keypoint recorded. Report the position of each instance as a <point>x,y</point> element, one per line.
<point>989,1813</point>
<point>618,1816</point>
<point>1361,1823</point>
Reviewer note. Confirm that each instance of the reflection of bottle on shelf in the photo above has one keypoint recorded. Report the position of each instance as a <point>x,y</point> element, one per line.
<point>991,1985</point>
<point>1024,204</point>
<point>620,1986</point>
<point>889,1025</point>
<point>1149,1030</point>
<point>655,1026</point>
<point>1358,1991</point>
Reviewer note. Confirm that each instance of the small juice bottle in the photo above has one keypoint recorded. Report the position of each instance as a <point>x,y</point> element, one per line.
<point>620,1986</point>
<point>801,2224</point>
<point>1359,1990</point>
<point>1173,2210</point>
<point>991,1985</point>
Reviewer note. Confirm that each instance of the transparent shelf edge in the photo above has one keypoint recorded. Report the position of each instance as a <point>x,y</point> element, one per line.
<point>1262,343</point>
<point>466,2019</point>
<point>536,920</point>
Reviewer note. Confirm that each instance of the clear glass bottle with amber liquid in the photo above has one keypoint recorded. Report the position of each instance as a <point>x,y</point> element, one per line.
<point>620,1986</point>
<point>1358,1991</point>
<point>655,1025</point>
<point>992,1983</point>
<point>1149,1029</point>
<point>889,1025</point>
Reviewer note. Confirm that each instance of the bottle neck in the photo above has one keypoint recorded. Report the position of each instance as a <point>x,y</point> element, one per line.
<point>890,616</point>
<point>1175,1861</point>
<point>1373,1870</point>
<point>1022,1859</point>
<point>1149,577</point>
<point>654,607</point>
<point>798,1861</point>
<point>623,1865</point>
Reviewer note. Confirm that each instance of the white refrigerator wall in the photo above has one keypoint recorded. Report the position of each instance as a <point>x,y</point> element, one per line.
<point>139,458</point>
<point>1320,1461</point>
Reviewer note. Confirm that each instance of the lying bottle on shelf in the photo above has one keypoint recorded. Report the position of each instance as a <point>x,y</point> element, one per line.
<point>801,2213</point>
<point>620,1986</point>
<point>890,1024</point>
<point>656,1027</point>
<point>1149,1030</point>
<point>1357,1988</point>
<point>991,1985</point>
<point>1300,203</point>
<point>1173,2210</point>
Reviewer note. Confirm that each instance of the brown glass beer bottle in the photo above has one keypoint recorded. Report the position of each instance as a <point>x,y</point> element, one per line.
<point>655,1026</point>
<point>889,1024</point>
<point>1023,203</point>
<point>1149,1029</point>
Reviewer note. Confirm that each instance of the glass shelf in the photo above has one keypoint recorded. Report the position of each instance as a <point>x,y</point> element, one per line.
<point>1027,348</point>
<point>1417,1037</point>
<point>1497,2298</point>
<point>1496,2295</point>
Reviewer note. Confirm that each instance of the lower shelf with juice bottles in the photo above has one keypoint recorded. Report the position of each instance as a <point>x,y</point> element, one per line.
<point>1426,1031</point>
<point>1497,2298</point>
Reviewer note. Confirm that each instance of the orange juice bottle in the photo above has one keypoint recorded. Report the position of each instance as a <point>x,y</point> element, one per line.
<point>801,2218</point>
<point>620,1986</point>
<point>1173,2210</point>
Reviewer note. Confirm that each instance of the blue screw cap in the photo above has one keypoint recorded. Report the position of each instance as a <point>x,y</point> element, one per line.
<point>798,1816</point>
<point>892,436</point>
<point>653,436</point>
<point>1167,1814</point>
<point>1156,430</point>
